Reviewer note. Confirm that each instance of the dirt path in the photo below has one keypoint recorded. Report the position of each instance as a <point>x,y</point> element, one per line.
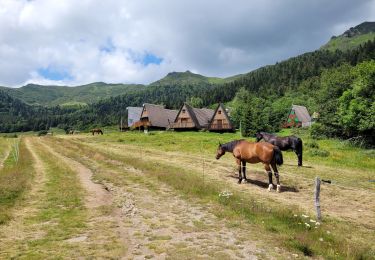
<point>161,223</point>
<point>337,201</point>
<point>97,195</point>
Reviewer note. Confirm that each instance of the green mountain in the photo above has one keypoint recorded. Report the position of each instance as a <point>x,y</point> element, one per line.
<point>189,78</point>
<point>352,38</point>
<point>69,96</point>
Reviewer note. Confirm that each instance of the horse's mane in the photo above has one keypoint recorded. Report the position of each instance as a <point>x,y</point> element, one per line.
<point>228,147</point>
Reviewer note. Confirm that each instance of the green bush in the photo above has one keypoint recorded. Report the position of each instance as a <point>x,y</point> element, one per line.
<point>10,136</point>
<point>42,132</point>
<point>312,144</point>
<point>318,131</point>
<point>318,152</point>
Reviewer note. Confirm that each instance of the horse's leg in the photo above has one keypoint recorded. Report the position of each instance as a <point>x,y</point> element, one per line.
<point>268,170</point>
<point>239,171</point>
<point>244,170</point>
<point>274,167</point>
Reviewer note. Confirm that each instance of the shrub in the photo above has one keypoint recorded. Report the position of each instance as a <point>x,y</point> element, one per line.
<point>42,132</point>
<point>318,152</point>
<point>312,144</point>
<point>318,131</point>
<point>11,136</point>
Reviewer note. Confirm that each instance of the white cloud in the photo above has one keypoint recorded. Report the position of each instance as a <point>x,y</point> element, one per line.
<point>212,37</point>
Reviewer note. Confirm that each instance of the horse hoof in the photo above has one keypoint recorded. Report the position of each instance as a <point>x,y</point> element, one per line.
<point>270,187</point>
<point>278,189</point>
<point>244,181</point>
<point>239,181</point>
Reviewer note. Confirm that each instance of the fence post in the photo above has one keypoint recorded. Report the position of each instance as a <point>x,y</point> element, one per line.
<point>317,198</point>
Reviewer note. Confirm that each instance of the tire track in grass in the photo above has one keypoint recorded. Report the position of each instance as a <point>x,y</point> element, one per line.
<point>164,224</point>
<point>96,198</point>
<point>52,222</point>
<point>5,153</point>
<point>14,235</point>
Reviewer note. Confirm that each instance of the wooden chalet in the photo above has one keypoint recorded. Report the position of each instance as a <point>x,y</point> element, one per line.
<point>155,117</point>
<point>298,117</point>
<point>220,121</point>
<point>190,118</point>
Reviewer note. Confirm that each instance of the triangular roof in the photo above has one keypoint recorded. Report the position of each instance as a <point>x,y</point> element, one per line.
<point>302,113</point>
<point>200,116</point>
<point>134,114</point>
<point>159,116</point>
<point>225,114</point>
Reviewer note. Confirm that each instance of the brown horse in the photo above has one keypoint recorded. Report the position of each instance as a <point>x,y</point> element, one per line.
<point>96,130</point>
<point>245,151</point>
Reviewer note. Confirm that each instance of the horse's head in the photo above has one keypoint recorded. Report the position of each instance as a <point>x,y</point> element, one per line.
<point>259,136</point>
<point>220,151</point>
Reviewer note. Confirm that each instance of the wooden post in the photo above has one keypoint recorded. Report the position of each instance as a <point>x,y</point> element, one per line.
<point>203,171</point>
<point>317,198</point>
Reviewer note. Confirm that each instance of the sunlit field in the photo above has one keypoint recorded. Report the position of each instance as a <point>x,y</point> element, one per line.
<point>163,194</point>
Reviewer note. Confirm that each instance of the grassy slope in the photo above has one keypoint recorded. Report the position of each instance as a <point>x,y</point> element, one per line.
<point>189,78</point>
<point>346,43</point>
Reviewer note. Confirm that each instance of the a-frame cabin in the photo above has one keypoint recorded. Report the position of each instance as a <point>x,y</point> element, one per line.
<point>220,121</point>
<point>189,118</point>
<point>298,117</point>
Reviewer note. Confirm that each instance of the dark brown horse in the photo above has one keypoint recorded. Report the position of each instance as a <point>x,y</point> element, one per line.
<point>96,130</point>
<point>245,151</point>
<point>284,143</point>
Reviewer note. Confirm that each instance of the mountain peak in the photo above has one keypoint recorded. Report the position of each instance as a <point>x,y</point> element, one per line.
<point>363,28</point>
<point>352,38</point>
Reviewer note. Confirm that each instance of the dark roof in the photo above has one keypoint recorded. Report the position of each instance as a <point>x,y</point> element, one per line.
<point>200,116</point>
<point>159,116</point>
<point>203,116</point>
<point>302,113</point>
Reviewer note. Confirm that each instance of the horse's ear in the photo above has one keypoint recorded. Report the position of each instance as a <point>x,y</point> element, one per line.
<point>219,143</point>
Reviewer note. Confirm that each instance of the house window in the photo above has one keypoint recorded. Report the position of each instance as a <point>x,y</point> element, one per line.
<point>183,111</point>
<point>219,112</point>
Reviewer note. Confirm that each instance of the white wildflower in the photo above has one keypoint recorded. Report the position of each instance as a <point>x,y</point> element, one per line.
<point>321,239</point>
<point>313,221</point>
<point>225,194</point>
<point>305,216</point>
<point>307,225</point>
<point>295,215</point>
<point>317,224</point>
<point>328,232</point>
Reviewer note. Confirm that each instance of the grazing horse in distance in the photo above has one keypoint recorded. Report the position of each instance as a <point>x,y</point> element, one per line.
<point>245,151</point>
<point>284,143</point>
<point>96,130</point>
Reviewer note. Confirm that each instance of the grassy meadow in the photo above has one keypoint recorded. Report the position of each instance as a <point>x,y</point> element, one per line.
<point>172,167</point>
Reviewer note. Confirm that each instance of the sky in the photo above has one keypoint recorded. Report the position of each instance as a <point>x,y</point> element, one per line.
<point>70,42</point>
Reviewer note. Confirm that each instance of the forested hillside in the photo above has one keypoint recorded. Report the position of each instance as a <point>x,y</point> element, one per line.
<point>70,96</point>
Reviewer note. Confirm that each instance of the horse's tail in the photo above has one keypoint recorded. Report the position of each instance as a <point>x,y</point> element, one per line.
<point>299,149</point>
<point>277,155</point>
